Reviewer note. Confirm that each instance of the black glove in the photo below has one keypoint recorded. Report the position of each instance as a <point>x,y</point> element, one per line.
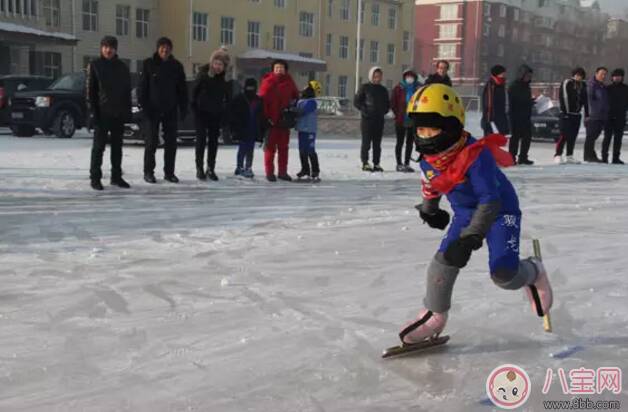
<point>436,220</point>
<point>459,251</point>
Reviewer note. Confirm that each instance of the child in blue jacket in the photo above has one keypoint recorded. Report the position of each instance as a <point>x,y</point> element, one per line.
<point>484,203</point>
<point>307,127</point>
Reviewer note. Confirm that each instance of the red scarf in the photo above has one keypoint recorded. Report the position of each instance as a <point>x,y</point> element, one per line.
<point>455,162</point>
<point>498,80</point>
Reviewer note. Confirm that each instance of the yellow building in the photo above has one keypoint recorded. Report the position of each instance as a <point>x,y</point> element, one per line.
<point>317,37</point>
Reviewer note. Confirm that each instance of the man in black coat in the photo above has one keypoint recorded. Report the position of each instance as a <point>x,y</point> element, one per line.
<point>373,103</point>
<point>441,76</point>
<point>572,98</point>
<point>614,130</point>
<point>494,102</point>
<point>162,95</point>
<point>520,110</point>
<point>211,95</point>
<point>108,88</point>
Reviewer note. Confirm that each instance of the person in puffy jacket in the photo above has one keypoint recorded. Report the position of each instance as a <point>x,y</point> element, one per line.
<point>573,98</point>
<point>278,93</point>
<point>441,76</point>
<point>162,95</point>
<point>520,111</point>
<point>401,95</point>
<point>109,101</point>
<point>494,102</point>
<point>618,104</point>
<point>597,94</point>
<point>211,95</point>
<point>307,127</point>
<point>373,103</point>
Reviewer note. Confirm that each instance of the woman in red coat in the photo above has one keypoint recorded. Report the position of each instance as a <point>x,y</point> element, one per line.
<point>278,92</point>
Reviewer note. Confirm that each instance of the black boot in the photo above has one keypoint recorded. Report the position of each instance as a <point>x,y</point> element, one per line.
<point>271,178</point>
<point>604,157</point>
<point>305,166</point>
<point>316,171</point>
<point>525,161</point>
<point>617,161</point>
<point>150,178</point>
<point>120,182</point>
<point>97,185</point>
<point>212,176</point>
<point>171,178</point>
<point>200,174</point>
<point>285,178</point>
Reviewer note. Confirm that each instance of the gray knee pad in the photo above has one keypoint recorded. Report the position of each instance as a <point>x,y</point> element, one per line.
<point>513,280</point>
<point>440,284</point>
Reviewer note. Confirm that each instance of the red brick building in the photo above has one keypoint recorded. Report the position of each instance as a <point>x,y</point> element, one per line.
<point>550,36</point>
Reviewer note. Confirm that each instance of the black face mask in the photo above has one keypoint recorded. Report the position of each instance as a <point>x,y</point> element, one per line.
<point>250,92</point>
<point>437,144</point>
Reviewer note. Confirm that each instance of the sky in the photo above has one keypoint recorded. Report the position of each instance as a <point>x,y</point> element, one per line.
<point>614,7</point>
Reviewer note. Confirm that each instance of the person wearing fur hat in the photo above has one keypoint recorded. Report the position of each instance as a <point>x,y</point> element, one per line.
<point>494,102</point>
<point>400,96</point>
<point>210,97</point>
<point>485,208</point>
<point>163,96</point>
<point>278,92</point>
<point>109,102</point>
<point>373,102</point>
<point>618,105</point>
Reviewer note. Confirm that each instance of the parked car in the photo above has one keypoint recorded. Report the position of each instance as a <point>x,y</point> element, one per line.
<point>59,109</point>
<point>545,124</point>
<point>335,106</point>
<point>11,84</point>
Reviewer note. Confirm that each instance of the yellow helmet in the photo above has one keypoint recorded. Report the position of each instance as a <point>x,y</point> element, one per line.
<point>433,104</point>
<point>316,86</point>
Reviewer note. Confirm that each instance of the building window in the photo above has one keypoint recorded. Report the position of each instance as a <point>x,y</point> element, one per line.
<point>123,13</point>
<point>389,84</point>
<point>515,14</point>
<point>142,18</point>
<point>515,34</point>
<point>392,18</point>
<point>90,15</point>
<point>500,50</point>
<point>362,11</point>
<point>502,10</point>
<point>327,84</point>
<point>446,51</point>
<point>449,12</point>
<point>280,3</point>
<point>45,64</point>
<point>342,86</point>
<point>448,31</point>
<point>252,36</point>
<point>51,12</point>
<point>375,14</point>
<point>454,69</point>
<point>361,49</point>
<point>344,9</point>
<point>486,30</point>
<point>199,26</point>
<point>501,31</point>
<point>227,26</point>
<point>391,54</point>
<point>487,9</point>
<point>279,33</point>
<point>306,24</point>
<point>406,41</point>
<point>374,51</point>
<point>330,8</point>
<point>344,47</point>
<point>328,44</point>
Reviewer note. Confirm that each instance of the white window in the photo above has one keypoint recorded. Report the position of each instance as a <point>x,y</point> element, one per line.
<point>374,51</point>
<point>142,17</point>
<point>406,41</point>
<point>501,31</point>
<point>500,50</point>
<point>448,11</point>
<point>330,8</point>
<point>446,51</point>
<point>502,10</point>
<point>515,15</point>
<point>392,18</point>
<point>486,30</point>
<point>344,9</point>
<point>52,64</point>
<point>362,12</point>
<point>344,47</point>
<point>342,86</point>
<point>448,31</point>
<point>199,26</point>
<point>362,41</point>
<point>328,44</point>
<point>227,27</point>
<point>279,33</point>
<point>306,24</point>
<point>327,84</point>
<point>515,34</point>
<point>453,69</point>
<point>280,3</point>
<point>90,15</point>
<point>123,14</point>
<point>252,35</point>
<point>391,54</point>
<point>51,12</point>
<point>487,9</point>
<point>375,14</point>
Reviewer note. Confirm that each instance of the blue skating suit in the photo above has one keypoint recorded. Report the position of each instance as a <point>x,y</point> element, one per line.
<point>485,183</point>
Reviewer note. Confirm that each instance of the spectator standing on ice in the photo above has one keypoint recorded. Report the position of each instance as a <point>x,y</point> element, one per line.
<point>401,95</point>
<point>373,103</point>
<point>520,111</point>
<point>307,125</point>
<point>109,101</point>
<point>597,94</point>
<point>441,76</point>
<point>572,98</point>
<point>494,102</point>
<point>618,101</point>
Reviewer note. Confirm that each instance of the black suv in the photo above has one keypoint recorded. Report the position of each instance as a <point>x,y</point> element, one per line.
<point>59,109</point>
<point>17,83</point>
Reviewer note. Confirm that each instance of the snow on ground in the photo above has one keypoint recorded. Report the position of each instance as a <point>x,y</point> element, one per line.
<point>251,296</point>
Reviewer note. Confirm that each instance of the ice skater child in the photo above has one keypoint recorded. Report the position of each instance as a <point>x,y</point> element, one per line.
<point>247,122</point>
<point>307,127</point>
<point>484,204</point>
